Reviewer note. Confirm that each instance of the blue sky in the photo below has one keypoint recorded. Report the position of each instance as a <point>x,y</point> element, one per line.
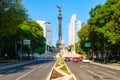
<point>47,10</point>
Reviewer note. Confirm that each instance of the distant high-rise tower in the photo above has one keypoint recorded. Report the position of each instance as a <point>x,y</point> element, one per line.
<point>74,27</point>
<point>72,30</point>
<point>47,31</point>
<point>77,28</point>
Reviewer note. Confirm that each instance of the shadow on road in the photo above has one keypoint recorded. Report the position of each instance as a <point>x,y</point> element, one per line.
<point>22,68</point>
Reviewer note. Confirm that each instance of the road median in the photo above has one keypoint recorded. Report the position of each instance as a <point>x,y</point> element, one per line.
<point>60,71</point>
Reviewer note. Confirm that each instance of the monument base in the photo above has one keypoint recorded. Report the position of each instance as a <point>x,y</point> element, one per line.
<point>60,45</point>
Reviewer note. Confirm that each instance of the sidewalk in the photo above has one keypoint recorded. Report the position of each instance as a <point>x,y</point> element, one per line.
<point>2,67</point>
<point>112,66</point>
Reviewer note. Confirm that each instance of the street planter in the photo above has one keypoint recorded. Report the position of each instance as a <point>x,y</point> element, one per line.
<point>60,71</point>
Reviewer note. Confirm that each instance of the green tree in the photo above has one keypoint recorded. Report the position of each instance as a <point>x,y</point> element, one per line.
<point>105,20</point>
<point>34,32</point>
<point>12,13</point>
<point>84,35</point>
<point>78,48</point>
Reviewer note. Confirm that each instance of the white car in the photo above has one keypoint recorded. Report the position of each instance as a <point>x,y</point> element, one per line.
<point>85,60</point>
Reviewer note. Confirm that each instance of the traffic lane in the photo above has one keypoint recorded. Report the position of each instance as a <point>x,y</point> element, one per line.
<point>39,73</point>
<point>102,72</point>
<point>80,73</point>
<point>21,68</point>
<point>97,72</point>
<point>101,67</point>
<point>16,72</point>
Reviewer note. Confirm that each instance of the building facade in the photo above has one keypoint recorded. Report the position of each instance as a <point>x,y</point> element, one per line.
<point>72,24</point>
<point>47,27</point>
<point>77,28</point>
<point>48,33</point>
<point>74,27</point>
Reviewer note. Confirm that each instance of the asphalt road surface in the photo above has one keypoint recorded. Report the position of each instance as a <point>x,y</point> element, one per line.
<point>35,71</point>
<point>87,71</point>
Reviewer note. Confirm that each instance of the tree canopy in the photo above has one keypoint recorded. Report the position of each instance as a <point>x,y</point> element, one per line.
<point>12,13</point>
<point>105,20</point>
<point>15,26</point>
<point>102,28</point>
<point>33,31</point>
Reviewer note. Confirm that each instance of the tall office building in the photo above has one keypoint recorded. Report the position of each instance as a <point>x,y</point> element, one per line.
<point>72,24</point>
<point>47,27</point>
<point>77,28</point>
<point>74,27</point>
<point>49,33</point>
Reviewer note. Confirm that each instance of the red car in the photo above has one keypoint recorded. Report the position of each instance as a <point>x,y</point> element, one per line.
<point>75,59</point>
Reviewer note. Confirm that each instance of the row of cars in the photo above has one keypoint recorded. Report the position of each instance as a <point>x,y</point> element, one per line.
<point>76,59</point>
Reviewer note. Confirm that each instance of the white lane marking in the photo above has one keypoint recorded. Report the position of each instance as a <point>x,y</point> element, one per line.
<point>94,74</point>
<point>27,73</point>
<point>112,72</point>
<point>80,66</point>
<point>84,66</point>
<point>95,67</point>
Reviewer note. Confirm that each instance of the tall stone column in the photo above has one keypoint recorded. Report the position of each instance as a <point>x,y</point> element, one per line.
<point>60,43</point>
<point>60,22</point>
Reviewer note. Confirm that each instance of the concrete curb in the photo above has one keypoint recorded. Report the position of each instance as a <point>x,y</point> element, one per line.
<point>70,72</point>
<point>48,78</point>
<point>68,77</point>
